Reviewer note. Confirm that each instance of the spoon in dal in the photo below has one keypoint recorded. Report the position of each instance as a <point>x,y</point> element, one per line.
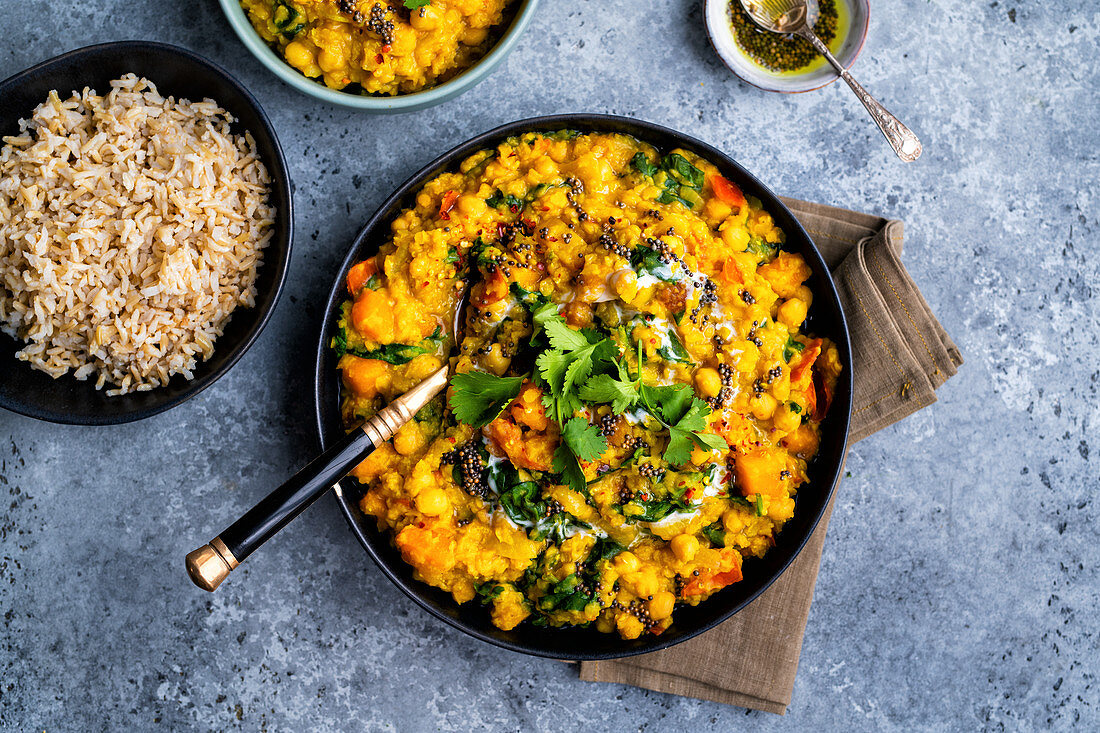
<point>797,17</point>
<point>210,564</point>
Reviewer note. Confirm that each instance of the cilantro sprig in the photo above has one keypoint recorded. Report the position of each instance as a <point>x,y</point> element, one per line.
<point>478,398</point>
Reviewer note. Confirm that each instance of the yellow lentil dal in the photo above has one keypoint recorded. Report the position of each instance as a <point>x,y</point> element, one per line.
<point>379,45</point>
<point>687,280</point>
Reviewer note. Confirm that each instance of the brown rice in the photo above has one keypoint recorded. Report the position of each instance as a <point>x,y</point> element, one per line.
<point>131,227</point>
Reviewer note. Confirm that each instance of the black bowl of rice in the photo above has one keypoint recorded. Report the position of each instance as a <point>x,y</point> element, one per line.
<point>145,231</point>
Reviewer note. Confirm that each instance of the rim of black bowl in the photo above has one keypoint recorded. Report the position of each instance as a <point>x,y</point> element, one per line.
<point>66,400</point>
<point>587,644</point>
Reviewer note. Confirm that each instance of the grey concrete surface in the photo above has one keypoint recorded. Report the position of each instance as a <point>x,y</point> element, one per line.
<point>959,586</point>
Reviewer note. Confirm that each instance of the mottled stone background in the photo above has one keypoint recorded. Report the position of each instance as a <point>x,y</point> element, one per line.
<point>959,587</point>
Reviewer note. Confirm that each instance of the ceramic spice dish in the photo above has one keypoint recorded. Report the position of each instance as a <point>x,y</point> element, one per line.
<point>854,15</point>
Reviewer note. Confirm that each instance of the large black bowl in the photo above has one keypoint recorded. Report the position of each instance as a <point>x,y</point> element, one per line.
<point>179,73</point>
<point>826,319</point>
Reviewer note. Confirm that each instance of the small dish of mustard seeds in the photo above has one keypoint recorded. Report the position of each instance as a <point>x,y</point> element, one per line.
<point>779,63</point>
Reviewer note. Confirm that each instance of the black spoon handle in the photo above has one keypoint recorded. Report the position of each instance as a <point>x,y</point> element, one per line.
<point>210,564</point>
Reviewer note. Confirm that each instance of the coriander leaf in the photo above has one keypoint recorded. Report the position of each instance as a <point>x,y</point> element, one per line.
<point>584,439</point>
<point>416,4</point>
<point>545,312</point>
<point>562,336</point>
<point>671,401</point>
<point>709,441</point>
<point>553,366</point>
<point>565,463</point>
<point>687,432</point>
<point>579,368</point>
<point>604,388</point>
<point>679,446</point>
<point>696,416</point>
<point>478,398</point>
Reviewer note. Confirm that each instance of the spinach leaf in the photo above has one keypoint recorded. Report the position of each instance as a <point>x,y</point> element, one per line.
<point>498,200</point>
<point>531,300</point>
<point>646,259</point>
<point>395,354</point>
<point>521,503</point>
<point>681,168</point>
<point>675,350</point>
<point>488,591</point>
<point>791,348</point>
<point>716,534</point>
<point>644,165</point>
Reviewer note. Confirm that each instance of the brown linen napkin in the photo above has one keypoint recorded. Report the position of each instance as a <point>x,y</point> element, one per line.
<point>901,355</point>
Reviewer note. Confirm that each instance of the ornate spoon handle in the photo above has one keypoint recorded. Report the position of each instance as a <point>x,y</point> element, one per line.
<point>210,564</point>
<point>901,138</point>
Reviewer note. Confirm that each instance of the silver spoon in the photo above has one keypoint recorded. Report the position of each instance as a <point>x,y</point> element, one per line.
<point>798,17</point>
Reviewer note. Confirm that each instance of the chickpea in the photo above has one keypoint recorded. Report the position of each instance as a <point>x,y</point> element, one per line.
<point>732,520</point>
<point>661,606</point>
<point>626,562</point>
<point>408,439</point>
<point>546,167</point>
<point>495,361</point>
<point>578,314</point>
<point>331,59</point>
<point>717,210</point>
<point>625,284</point>
<point>736,237</point>
<point>762,405</point>
<point>645,584</point>
<point>419,267</point>
<point>629,627</point>
<point>708,382</point>
<point>781,389</point>
<point>424,19</point>
<point>298,55</point>
<point>792,313</point>
<point>475,36</point>
<point>747,359</point>
<point>432,501</point>
<point>684,546</point>
<point>471,205</point>
<point>786,420</point>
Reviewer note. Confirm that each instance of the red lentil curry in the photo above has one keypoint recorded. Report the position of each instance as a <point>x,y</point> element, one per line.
<point>633,402</point>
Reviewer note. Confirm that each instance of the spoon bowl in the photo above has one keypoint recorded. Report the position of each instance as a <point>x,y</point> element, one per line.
<point>782,16</point>
<point>795,17</point>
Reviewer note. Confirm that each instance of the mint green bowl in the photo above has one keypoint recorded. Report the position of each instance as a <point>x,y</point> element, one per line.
<point>380,104</point>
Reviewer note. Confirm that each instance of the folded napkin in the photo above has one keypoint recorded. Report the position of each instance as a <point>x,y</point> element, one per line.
<point>901,354</point>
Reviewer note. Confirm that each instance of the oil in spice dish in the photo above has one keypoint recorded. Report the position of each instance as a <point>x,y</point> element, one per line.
<point>788,54</point>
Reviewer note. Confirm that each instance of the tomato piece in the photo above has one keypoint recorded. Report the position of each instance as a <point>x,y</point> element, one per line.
<point>447,204</point>
<point>809,356</point>
<point>823,395</point>
<point>359,274</point>
<point>712,582</point>
<point>731,273</point>
<point>727,191</point>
